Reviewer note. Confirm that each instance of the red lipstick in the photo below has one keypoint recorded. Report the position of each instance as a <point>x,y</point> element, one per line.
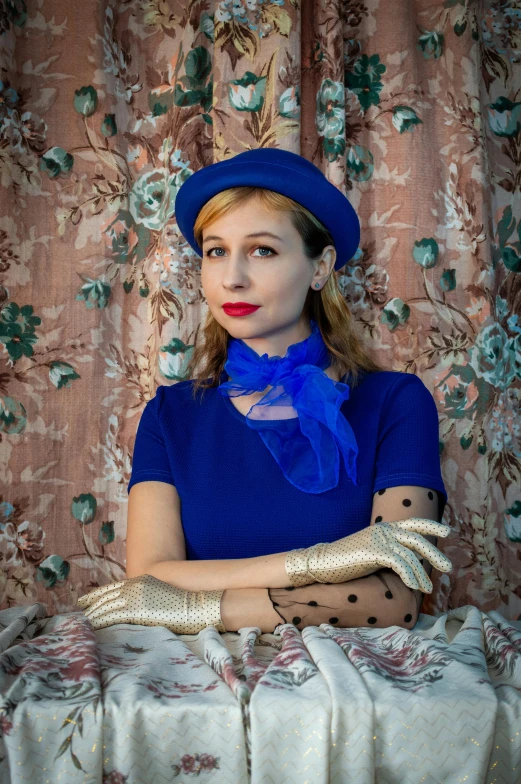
<point>239,308</point>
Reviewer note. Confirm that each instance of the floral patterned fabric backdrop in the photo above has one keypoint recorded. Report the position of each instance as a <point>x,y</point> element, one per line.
<point>413,109</point>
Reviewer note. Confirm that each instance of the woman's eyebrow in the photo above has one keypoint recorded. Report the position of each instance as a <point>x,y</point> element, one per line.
<point>256,234</point>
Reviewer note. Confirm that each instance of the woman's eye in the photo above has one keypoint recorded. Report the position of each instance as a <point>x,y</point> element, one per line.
<point>260,247</point>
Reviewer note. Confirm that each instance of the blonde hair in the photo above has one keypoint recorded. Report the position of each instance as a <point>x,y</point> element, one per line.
<point>327,306</point>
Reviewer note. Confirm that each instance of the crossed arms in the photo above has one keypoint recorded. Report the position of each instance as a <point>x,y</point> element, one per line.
<point>382,599</point>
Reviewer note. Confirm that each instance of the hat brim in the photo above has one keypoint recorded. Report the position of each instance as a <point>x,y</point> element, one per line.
<point>316,193</point>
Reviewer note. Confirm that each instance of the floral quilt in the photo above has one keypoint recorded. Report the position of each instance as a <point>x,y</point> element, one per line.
<point>132,704</point>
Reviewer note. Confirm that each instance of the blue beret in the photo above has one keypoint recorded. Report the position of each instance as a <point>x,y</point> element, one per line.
<point>276,170</point>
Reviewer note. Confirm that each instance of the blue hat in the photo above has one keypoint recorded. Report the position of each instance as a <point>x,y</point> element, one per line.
<point>276,170</point>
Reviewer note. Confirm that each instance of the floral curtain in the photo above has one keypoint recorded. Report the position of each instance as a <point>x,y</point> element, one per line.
<point>412,109</point>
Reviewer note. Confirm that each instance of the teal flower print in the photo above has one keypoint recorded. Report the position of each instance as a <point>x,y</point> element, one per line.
<point>86,101</point>
<point>493,356</point>
<point>109,126</point>
<point>52,570</point>
<point>405,118</point>
<point>459,393</point>
<point>364,80</point>
<point>330,118</point>
<point>174,359</point>
<point>61,374</point>
<point>247,94</point>
<point>504,117</point>
<point>512,522</point>
<point>95,293</point>
<point>430,44</point>
<point>83,508</point>
<point>395,314</point>
<point>425,252</point>
<point>13,418</point>
<point>17,330</point>
<point>359,163</point>
<point>152,198</point>
<point>289,102</point>
<point>56,161</point>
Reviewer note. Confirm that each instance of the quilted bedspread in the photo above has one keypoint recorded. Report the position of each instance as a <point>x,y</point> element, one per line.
<point>133,704</point>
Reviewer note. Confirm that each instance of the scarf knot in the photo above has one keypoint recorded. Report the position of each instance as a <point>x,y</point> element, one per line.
<point>309,455</point>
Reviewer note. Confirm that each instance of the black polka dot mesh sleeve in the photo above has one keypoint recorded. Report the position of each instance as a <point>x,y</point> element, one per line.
<point>380,599</point>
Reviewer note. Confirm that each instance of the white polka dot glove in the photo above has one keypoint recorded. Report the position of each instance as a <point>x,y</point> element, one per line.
<point>380,545</point>
<point>147,601</point>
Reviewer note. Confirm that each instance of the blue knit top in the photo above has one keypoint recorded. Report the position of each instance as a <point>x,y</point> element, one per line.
<point>235,500</point>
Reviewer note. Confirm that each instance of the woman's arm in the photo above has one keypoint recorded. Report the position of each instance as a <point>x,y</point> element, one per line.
<point>378,600</point>
<point>263,571</point>
<point>156,545</point>
<point>395,503</point>
<point>268,571</point>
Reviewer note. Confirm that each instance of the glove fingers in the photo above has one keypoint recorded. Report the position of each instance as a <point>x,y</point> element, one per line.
<point>105,608</point>
<point>422,578</point>
<point>426,549</point>
<point>107,597</point>
<point>422,525</point>
<point>108,620</point>
<point>98,623</point>
<point>401,566</point>
<point>88,598</point>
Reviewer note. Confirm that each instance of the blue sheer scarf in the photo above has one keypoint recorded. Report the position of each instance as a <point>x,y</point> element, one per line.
<point>305,447</point>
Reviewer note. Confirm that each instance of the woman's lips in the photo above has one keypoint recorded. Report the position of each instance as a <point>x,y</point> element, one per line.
<point>240,311</point>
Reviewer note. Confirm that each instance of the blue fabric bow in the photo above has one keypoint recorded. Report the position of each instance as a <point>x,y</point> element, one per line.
<point>308,455</point>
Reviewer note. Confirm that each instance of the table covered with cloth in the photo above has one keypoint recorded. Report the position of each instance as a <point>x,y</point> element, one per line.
<point>132,704</point>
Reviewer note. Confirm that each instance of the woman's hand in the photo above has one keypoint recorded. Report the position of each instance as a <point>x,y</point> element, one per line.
<point>380,545</point>
<point>147,601</point>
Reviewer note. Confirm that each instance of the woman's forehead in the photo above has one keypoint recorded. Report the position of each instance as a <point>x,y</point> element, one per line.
<point>241,223</point>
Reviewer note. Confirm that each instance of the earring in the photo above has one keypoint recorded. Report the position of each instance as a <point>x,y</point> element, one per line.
<point>317,285</point>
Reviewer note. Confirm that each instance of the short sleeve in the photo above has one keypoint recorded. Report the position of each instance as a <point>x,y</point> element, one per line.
<point>150,458</point>
<point>408,439</point>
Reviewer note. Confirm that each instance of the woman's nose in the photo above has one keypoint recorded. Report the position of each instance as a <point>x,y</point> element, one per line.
<point>235,272</point>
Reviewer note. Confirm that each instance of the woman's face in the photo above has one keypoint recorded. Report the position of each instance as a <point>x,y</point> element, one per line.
<point>269,271</point>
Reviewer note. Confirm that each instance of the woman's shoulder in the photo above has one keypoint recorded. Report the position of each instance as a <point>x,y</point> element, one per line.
<point>182,392</point>
<point>177,409</point>
<point>175,391</point>
<point>380,378</point>
<point>374,389</point>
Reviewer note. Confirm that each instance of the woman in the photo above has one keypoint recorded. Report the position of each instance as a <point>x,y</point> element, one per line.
<point>267,489</point>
